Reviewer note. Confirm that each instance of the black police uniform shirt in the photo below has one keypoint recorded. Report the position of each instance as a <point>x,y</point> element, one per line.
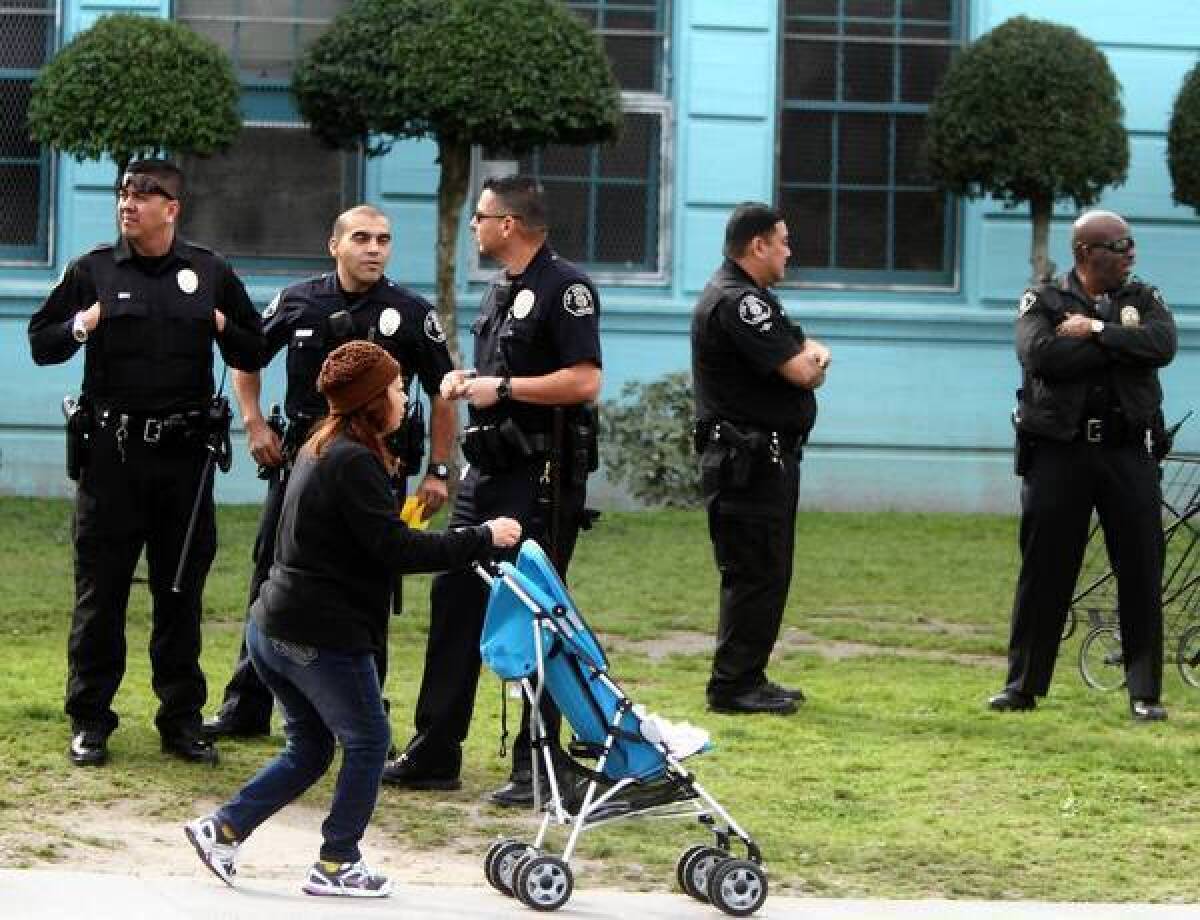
<point>1063,375</point>
<point>151,352</point>
<point>391,316</point>
<point>532,324</point>
<point>740,338</point>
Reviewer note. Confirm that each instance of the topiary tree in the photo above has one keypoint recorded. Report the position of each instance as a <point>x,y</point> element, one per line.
<point>1183,142</point>
<point>1031,112</point>
<point>509,76</point>
<point>132,86</point>
<point>646,438</point>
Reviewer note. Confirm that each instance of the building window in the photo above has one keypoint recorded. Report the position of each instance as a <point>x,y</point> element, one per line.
<point>608,201</point>
<point>270,199</point>
<point>858,79</point>
<point>28,33</point>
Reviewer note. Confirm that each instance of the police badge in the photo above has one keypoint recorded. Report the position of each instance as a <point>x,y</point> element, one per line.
<point>433,328</point>
<point>754,311</point>
<point>577,300</point>
<point>187,280</point>
<point>523,303</point>
<point>1130,315</point>
<point>389,321</point>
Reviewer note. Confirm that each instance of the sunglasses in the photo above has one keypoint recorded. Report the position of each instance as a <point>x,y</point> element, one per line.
<point>1120,247</point>
<point>479,215</point>
<point>145,185</point>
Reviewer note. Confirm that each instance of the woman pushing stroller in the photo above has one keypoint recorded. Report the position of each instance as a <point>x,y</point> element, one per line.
<point>322,615</point>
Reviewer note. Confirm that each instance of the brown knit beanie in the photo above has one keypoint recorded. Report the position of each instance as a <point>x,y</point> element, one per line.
<point>353,374</point>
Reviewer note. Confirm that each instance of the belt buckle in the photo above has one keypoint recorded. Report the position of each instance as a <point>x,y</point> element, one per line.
<point>152,432</point>
<point>1095,430</point>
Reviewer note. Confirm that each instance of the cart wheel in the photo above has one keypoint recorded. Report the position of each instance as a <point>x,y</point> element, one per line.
<point>1069,625</point>
<point>738,887</point>
<point>543,882</point>
<point>501,865</point>
<point>687,854</point>
<point>695,867</point>
<point>1101,661</point>
<point>1188,656</point>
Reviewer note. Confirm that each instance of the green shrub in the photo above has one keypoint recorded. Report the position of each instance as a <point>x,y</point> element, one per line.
<point>134,86</point>
<point>1183,142</point>
<point>646,440</point>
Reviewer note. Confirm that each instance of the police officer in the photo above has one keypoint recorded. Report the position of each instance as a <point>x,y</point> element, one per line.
<point>1090,432</point>
<point>754,373</point>
<point>311,318</point>
<point>147,311</point>
<point>537,366</point>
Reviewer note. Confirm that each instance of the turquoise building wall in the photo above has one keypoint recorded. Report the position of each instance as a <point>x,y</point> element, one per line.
<point>915,412</point>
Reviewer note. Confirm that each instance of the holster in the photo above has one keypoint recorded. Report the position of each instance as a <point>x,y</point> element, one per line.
<point>79,422</point>
<point>581,452</point>
<point>299,427</point>
<point>738,453</point>
<point>408,444</point>
<point>1162,438</point>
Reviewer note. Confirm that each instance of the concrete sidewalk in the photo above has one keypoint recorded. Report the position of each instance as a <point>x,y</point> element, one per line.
<point>40,894</point>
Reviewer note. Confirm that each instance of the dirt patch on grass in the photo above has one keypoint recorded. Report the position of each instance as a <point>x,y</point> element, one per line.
<point>684,642</point>
<point>121,838</point>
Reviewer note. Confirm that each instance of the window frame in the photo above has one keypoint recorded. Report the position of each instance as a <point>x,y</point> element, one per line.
<point>40,253</point>
<point>634,102</point>
<point>267,103</point>
<point>948,281</point>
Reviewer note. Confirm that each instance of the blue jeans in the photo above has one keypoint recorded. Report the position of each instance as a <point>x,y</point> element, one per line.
<point>326,697</point>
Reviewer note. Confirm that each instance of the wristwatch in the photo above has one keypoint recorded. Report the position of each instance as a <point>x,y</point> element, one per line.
<point>438,471</point>
<point>504,389</point>
<point>78,329</point>
<point>1097,326</point>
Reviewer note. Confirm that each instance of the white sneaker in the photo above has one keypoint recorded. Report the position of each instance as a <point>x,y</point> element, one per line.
<point>221,858</point>
<point>349,880</point>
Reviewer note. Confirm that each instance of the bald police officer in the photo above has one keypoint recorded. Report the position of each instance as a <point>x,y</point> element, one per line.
<point>147,311</point>
<point>754,373</point>
<point>1090,432</point>
<point>310,319</point>
<point>537,367</point>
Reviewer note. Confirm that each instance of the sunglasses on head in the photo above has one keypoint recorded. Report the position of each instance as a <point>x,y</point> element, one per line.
<point>1120,247</point>
<point>145,185</point>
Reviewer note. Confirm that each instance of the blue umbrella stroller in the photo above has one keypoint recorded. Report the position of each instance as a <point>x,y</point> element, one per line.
<point>533,630</point>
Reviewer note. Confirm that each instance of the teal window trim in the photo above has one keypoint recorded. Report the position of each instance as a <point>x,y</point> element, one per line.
<point>38,252</point>
<point>839,30</point>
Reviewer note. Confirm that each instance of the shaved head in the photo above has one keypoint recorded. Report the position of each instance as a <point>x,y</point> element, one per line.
<point>1098,227</point>
<point>361,211</point>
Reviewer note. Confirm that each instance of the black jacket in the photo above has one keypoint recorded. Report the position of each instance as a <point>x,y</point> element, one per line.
<point>1138,338</point>
<point>153,349</point>
<point>339,547</point>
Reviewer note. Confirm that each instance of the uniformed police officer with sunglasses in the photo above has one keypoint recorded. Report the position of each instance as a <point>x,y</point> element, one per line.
<point>147,311</point>
<point>1090,436</point>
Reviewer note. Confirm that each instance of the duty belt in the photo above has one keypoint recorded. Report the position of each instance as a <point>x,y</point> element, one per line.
<point>1113,430</point>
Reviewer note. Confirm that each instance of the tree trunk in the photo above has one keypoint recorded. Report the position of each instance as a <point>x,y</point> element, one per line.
<point>1041,209</point>
<point>455,159</point>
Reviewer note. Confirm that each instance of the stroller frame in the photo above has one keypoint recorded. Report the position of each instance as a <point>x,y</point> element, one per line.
<point>545,882</point>
<point>1101,660</point>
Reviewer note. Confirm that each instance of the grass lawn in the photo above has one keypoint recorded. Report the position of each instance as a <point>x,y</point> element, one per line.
<point>893,781</point>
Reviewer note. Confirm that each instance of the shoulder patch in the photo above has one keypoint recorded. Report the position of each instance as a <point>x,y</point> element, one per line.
<point>433,327</point>
<point>1028,299</point>
<point>577,300</point>
<point>754,311</point>
<point>272,307</point>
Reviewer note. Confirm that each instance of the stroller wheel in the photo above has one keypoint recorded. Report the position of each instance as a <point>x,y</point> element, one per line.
<point>695,866</point>
<point>738,887</point>
<point>543,882</point>
<point>1101,660</point>
<point>500,864</point>
<point>1188,656</point>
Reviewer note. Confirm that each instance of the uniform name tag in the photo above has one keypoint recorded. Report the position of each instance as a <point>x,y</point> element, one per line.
<point>303,333</point>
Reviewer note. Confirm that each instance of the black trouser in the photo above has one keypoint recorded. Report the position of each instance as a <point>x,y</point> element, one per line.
<point>458,604</point>
<point>121,507</point>
<point>1062,486</point>
<point>753,532</point>
<point>248,701</point>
